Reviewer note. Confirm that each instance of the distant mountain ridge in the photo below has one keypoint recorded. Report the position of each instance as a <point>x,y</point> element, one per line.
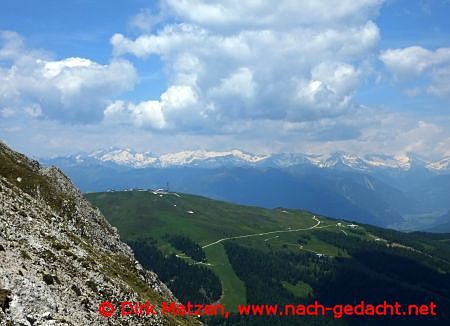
<point>237,158</point>
<point>403,191</point>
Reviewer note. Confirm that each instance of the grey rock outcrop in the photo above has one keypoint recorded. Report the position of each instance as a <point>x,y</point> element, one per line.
<point>59,257</point>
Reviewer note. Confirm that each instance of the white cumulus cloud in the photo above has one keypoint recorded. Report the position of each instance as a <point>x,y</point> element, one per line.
<point>331,85</point>
<point>252,60</point>
<point>70,90</point>
<point>155,114</point>
<point>233,15</point>
<point>417,62</point>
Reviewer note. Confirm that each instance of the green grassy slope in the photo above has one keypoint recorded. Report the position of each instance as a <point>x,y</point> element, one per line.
<point>140,214</point>
<point>144,214</point>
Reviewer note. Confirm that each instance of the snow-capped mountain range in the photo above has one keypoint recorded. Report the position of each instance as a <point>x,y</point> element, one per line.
<point>375,189</point>
<point>212,159</point>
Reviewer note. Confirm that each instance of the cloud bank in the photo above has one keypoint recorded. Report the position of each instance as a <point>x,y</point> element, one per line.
<point>252,61</point>
<point>255,75</point>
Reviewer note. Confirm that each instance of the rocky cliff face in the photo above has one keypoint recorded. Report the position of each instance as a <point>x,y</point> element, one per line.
<point>59,258</point>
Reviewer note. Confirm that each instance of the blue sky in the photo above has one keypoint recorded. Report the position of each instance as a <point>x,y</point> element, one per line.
<point>162,76</point>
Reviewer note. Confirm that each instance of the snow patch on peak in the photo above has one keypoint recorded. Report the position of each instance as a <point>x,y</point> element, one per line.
<point>440,165</point>
<point>126,157</point>
<point>342,158</point>
<point>248,157</point>
<point>382,161</point>
<point>404,161</point>
<point>187,157</point>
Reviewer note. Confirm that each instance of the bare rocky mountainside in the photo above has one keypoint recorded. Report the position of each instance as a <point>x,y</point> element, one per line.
<point>59,257</point>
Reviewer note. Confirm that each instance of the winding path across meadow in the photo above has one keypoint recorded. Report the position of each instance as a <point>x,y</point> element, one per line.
<point>264,233</point>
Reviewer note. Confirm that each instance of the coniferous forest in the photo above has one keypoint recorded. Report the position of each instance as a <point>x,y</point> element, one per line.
<point>187,246</point>
<point>194,283</point>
